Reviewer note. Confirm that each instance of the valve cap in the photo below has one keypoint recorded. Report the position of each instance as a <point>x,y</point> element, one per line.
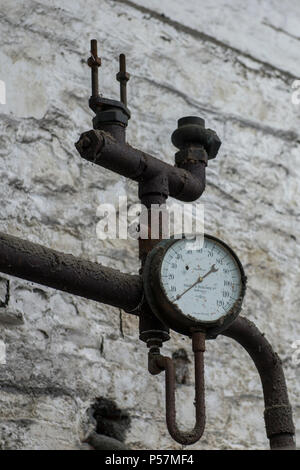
<point>191,132</point>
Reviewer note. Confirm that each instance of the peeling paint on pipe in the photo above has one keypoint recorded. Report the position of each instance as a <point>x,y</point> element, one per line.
<point>101,148</point>
<point>67,273</point>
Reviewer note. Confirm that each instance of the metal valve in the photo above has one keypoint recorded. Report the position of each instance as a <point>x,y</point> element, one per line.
<point>195,143</point>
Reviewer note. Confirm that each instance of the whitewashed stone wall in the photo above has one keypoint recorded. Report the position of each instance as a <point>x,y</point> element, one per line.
<point>231,62</point>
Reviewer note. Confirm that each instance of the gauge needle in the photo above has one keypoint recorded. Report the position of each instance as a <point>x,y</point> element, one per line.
<point>213,269</point>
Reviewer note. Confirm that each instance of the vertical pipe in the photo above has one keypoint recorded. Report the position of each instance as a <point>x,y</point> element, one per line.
<point>152,192</point>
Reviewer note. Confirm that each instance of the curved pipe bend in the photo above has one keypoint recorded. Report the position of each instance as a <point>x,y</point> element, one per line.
<point>278,412</point>
<point>157,364</point>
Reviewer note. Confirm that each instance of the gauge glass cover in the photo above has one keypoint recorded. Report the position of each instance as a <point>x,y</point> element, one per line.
<point>204,283</point>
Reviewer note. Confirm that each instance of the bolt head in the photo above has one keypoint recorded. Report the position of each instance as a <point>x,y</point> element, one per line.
<point>123,76</point>
<point>110,116</point>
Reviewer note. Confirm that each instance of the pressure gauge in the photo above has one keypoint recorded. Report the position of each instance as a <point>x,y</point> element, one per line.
<point>191,287</point>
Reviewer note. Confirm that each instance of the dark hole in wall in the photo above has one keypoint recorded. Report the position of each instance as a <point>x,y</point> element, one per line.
<point>181,362</point>
<point>111,420</point>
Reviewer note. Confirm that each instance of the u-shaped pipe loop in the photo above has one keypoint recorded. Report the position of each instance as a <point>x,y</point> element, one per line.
<point>157,364</point>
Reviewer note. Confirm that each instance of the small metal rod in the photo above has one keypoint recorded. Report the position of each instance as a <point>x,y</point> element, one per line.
<point>123,77</point>
<point>278,412</point>
<point>94,62</point>
<point>185,185</point>
<point>158,363</point>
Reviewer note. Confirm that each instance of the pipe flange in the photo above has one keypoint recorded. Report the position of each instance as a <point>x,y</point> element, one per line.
<point>191,132</point>
<point>116,116</point>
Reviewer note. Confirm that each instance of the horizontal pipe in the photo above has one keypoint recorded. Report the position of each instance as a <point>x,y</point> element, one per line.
<point>67,273</point>
<point>101,148</point>
<point>278,413</point>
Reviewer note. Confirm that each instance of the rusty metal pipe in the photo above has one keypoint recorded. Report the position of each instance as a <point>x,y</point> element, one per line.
<point>67,273</point>
<point>101,148</point>
<point>278,412</point>
<point>158,363</point>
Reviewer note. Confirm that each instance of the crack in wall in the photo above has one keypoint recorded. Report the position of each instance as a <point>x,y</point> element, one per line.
<point>285,75</point>
<point>38,391</point>
<point>286,135</point>
<point>280,30</point>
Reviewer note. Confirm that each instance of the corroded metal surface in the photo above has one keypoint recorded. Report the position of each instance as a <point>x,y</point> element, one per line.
<point>278,412</point>
<point>157,364</point>
<point>101,148</point>
<point>67,273</point>
<point>106,147</point>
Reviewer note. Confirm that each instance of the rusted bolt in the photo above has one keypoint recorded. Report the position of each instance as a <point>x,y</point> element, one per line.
<point>94,62</point>
<point>123,77</point>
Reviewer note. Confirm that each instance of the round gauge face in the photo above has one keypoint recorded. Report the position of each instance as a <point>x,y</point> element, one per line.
<point>204,283</point>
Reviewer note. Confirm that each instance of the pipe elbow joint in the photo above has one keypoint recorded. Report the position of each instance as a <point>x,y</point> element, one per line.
<point>194,182</point>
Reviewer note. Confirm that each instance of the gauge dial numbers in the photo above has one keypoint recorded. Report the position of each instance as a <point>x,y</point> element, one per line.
<point>195,287</point>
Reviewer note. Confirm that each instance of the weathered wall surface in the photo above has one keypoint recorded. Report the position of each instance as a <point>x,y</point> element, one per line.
<point>231,62</point>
